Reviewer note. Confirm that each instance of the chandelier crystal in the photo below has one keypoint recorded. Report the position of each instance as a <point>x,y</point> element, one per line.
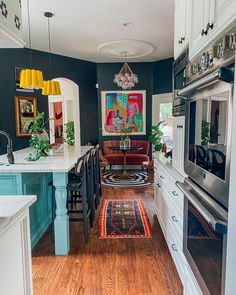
<point>125,79</point>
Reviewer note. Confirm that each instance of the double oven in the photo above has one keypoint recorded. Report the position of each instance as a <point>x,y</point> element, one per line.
<point>208,98</point>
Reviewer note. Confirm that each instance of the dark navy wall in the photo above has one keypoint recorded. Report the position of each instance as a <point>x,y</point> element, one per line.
<point>105,74</point>
<point>83,73</point>
<point>162,76</point>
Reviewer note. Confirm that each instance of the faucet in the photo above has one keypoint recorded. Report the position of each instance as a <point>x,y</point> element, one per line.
<point>10,156</point>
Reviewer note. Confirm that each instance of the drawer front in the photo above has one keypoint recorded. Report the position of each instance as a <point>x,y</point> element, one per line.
<point>176,222</point>
<point>177,195</point>
<point>176,249</point>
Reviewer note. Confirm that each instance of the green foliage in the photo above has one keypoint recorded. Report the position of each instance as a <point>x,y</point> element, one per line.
<point>39,141</point>
<point>156,136</point>
<point>70,133</point>
<point>205,134</point>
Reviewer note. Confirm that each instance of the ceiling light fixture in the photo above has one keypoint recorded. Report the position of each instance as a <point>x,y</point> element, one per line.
<point>50,87</point>
<point>30,78</point>
<point>125,79</point>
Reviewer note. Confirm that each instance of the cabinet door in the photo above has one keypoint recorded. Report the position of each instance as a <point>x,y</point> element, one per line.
<point>225,14</point>
<point>165,211</point>
<point>200,19</point>
<point>178,28</point>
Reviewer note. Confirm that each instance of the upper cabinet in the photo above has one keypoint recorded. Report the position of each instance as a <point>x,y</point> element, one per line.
<point>182,26</point>
<point>11,24</point>
<point>209,18</point>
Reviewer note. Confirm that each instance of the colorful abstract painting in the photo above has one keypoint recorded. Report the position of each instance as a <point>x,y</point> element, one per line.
<point>123,109</point>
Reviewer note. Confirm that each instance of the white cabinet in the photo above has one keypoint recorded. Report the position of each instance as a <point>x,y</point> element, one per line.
<point>209,19</point>
<point>11,35</point>
<point>178,144</point>
<point>15,248</point>
<point>182,26</point>
<point>225,14</point>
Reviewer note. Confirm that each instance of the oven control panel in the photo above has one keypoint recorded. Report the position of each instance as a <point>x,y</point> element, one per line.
<point>212,58</point>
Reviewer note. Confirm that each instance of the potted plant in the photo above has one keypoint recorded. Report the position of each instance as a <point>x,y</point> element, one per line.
<point>39,141</point>
<point>70,133</point>
<point>155,137</point>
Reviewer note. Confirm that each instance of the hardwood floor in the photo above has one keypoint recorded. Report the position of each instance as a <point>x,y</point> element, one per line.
<point>108,267</point>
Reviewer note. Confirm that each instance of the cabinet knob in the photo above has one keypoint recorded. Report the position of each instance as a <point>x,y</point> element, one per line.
<point>180,41</point>
<point>210,26</point>
<point>173,246</point>
<point>174,218</point>
<point>204,32</point>
<point>162,177</point>
<point>183,38</point>
<point>174,193</point>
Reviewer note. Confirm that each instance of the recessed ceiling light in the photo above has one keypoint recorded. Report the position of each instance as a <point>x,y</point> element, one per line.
<point>127,24</point>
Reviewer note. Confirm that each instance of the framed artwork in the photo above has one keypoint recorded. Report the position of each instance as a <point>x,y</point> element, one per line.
<point>123,109</point>
<point>25,111</point>
<point>17,79</point>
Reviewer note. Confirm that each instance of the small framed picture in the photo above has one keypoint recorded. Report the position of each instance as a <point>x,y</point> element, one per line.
<point>25,111</point>
<point>17,79</point>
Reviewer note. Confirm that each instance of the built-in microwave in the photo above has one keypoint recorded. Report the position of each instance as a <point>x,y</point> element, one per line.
<point>179,82</point>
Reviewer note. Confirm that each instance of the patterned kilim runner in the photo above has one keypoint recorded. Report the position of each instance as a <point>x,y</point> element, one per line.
<point>123,219</point>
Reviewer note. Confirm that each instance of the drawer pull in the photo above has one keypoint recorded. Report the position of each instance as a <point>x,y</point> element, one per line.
<point>162,177</point>
<point>173,246</point>
<point>174,193</point>
<point>174,219</point>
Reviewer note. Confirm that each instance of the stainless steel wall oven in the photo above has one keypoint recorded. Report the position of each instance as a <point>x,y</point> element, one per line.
<point>209,98</point>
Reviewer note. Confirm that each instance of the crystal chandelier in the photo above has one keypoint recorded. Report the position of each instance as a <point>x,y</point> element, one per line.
<point>126,79</point>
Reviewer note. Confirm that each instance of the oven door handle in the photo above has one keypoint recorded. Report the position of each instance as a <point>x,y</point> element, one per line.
<point>217,225</point>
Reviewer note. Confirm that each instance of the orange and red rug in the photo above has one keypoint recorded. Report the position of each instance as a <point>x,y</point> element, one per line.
<point>124,219</point>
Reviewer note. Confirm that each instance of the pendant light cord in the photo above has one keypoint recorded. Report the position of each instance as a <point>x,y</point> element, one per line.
<point>49,47</point>
<point>29,30</point>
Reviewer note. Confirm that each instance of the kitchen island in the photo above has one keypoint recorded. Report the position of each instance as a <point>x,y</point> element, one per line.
<point>32,178</point>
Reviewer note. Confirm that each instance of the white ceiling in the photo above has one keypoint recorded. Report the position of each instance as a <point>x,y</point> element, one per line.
<point>79,27</point>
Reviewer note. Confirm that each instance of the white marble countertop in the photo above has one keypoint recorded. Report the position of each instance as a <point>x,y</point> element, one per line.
<point>13,206</point>
<point>61,159</point>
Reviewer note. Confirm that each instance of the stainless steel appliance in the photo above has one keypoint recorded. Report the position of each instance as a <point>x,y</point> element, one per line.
<point>209,98</point>
<point>208,120</point>
<point>205,229</point>
<point>179,82</point>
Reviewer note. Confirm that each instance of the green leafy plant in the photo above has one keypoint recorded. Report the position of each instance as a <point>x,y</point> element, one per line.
<point>156,136</point>
<point>70,133</point>
<point>39,141</point>
<point>205,134</point>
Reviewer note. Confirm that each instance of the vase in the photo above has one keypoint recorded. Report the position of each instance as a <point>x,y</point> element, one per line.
<point>122,143</point>
<point>127,142</point>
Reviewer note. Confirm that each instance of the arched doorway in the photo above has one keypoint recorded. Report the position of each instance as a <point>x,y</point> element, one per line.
<point>64,108</point>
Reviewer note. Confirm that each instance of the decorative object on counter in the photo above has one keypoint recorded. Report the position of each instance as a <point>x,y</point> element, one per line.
<point>25,112</point>
<point>50,87</point>
<point>121,109</point>
<point>156,136</point>
<point>125,79</point>
<point>39,141</point>
<point>124,219</point>
<point>70,133</point>
<point>30,78</point>
<point>137,179</point>
<point>205,134</point>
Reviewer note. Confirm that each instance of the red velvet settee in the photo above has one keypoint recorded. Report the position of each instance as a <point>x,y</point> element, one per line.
<point>132,157</point>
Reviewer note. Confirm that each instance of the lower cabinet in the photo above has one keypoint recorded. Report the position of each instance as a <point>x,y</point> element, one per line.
<point>169,205</point>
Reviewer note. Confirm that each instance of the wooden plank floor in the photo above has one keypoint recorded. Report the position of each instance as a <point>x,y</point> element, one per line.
<point>108,267</point>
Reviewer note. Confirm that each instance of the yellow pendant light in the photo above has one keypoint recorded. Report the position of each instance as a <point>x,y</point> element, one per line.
<point>50,87</point>
<point>31,78</point>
